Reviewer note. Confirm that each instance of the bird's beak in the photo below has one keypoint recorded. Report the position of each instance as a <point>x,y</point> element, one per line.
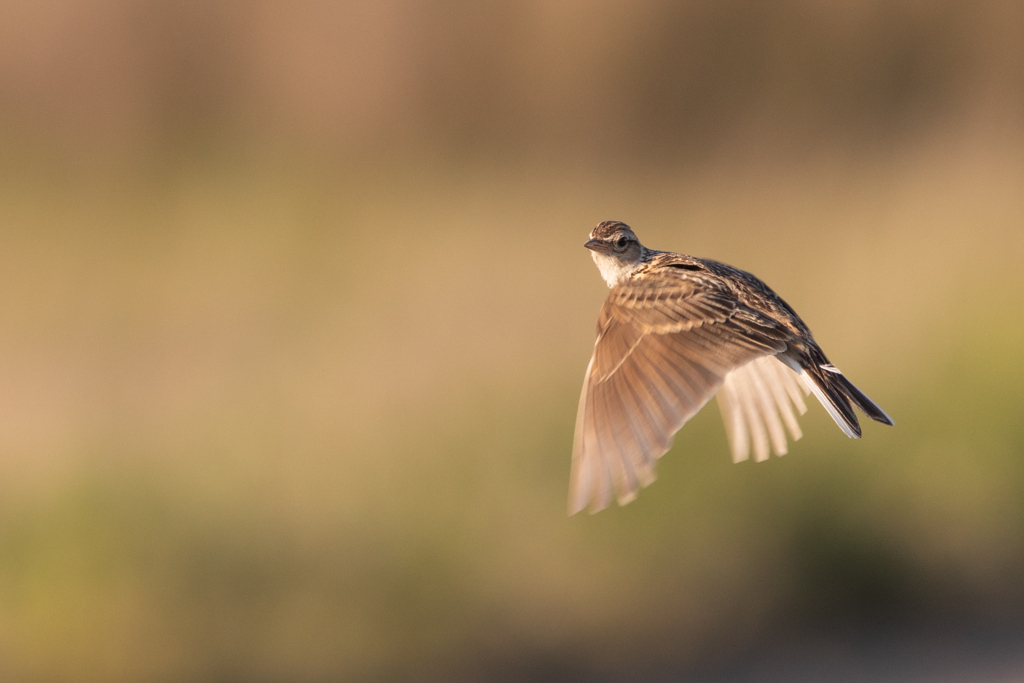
<point>595,245</point>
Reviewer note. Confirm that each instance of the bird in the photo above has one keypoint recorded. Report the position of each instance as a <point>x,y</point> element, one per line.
<point>674,330</point>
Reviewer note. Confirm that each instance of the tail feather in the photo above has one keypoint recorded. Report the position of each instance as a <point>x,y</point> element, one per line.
<point>825,389</point>
<point>866,405</point>
<point>836,393</point>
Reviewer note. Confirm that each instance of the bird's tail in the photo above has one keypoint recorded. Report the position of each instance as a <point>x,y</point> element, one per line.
<point>836,393</point>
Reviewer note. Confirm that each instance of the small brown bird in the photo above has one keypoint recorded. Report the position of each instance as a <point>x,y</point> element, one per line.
<point>674,330</point>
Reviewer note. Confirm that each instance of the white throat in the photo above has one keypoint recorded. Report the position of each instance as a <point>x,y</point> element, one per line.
<point>614,271</point>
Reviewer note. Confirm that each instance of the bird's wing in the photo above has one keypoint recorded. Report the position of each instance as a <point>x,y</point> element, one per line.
<point>664,346</point>
<point>755,400</point>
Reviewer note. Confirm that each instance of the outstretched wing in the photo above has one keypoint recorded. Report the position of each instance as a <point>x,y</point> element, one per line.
<point>756,400</point>
<point>664,346</point>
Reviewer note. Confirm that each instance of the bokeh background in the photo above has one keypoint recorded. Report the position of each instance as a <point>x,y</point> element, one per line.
<point>294,313</point>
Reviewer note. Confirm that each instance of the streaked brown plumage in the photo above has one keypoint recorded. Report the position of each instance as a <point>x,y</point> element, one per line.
<point>674,330</point>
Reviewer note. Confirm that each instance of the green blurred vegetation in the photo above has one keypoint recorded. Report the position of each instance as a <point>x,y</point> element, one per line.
<point>291,340</point>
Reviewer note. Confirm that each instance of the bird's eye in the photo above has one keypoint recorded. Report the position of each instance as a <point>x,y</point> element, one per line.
<point>620,243</point>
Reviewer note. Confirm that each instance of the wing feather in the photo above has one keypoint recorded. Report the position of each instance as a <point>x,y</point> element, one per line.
<point>664,347</point>
<point>756,400</point>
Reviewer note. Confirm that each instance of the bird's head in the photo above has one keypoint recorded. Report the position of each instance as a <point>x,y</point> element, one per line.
<point>616,251</point>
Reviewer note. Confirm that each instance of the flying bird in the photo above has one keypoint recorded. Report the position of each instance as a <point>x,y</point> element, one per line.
<point>674,330</point>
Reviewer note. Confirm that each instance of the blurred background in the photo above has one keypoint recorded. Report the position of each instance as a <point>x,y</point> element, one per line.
<point>294,313</point>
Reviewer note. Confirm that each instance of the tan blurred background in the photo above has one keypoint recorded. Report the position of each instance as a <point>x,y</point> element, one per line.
<point>294,312</point>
